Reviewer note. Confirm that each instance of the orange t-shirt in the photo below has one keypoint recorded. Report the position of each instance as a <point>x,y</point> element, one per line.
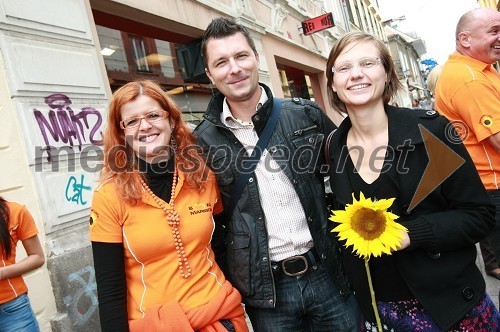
<point>21,227</point>
<point>151,262</point>
<point>468,94</point>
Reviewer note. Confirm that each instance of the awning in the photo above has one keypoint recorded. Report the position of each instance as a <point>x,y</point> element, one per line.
<point>411,87</point>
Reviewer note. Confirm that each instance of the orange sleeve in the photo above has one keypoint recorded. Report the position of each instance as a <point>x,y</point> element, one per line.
<point>479,105</point>
<point>26,224</point>
<point>105,218</point>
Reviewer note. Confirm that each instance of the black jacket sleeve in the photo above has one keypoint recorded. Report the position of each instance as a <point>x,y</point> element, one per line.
<point>467,214</point>
<point>219,242</point>
<point>109,265</point>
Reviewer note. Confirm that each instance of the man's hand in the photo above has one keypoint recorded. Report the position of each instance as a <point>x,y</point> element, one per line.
<point>494,140</point>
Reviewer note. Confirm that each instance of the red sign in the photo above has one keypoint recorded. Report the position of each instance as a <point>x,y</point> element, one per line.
<point>317,24</point>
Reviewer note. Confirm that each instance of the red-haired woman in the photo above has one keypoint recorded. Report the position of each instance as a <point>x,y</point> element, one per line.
<point>17,224</point>
<point>152,223</point>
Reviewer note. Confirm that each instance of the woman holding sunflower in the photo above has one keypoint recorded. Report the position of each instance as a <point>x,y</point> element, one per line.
<point>420,265</point>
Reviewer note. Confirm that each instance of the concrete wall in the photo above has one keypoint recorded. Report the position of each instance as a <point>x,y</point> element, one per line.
<point>16,184</point>
<point>75,293</point>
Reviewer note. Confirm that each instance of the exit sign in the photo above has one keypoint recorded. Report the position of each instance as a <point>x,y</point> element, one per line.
<point>317,24</point>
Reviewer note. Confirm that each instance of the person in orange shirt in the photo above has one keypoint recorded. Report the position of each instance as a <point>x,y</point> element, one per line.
<point>153,217</point>
<point>17,224</point>
<point>468,94</point>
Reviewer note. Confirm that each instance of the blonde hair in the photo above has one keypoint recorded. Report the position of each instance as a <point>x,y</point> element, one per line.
<point>433,77</point>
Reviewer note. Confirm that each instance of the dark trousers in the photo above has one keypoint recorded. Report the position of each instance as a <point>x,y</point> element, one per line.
<point>489,257</point>
<point>308,302</point>
<point>490,247</point>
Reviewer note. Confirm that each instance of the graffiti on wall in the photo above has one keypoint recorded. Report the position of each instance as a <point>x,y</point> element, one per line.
<point>74,190</point>
<point>63,124</point>
<point>83,302</point>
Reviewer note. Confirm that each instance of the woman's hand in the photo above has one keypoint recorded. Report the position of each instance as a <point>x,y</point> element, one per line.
<point>405,241</point>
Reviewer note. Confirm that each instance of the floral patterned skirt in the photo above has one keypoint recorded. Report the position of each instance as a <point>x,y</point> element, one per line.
<point>409,315</point>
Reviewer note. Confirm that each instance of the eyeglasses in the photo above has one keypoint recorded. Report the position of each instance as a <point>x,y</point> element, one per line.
<point>364,63</point>
<point>135,121</point>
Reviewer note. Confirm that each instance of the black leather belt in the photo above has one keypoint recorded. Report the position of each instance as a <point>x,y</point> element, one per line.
<point>295,265</point>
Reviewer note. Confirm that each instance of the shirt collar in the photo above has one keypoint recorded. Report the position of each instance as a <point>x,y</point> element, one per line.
<point>229,120</point>
<point>478,65</point>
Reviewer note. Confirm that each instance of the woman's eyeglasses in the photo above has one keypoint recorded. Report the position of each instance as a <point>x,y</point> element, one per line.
<point>135,121</point>
<point>364,63</point>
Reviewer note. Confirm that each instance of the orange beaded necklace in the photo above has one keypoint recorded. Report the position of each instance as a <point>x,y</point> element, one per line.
<point>173,221</point>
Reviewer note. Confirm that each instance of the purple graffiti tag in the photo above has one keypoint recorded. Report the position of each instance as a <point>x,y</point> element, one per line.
<point>57,101</point>
<point>66,125</point>
<point>83,115</point>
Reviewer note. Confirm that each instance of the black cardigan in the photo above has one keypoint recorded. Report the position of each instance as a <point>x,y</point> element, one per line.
<point>439,266</point>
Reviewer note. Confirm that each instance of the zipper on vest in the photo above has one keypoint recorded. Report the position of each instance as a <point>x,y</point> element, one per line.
<point>304,130</point>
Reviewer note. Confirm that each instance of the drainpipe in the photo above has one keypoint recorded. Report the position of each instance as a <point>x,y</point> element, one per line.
<point>345,14</point>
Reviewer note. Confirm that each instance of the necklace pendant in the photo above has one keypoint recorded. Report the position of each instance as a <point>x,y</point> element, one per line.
<point>173,221</point>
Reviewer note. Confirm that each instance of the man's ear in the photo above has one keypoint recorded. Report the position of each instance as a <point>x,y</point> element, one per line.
<point>209,75</point>
<point>464,39</point>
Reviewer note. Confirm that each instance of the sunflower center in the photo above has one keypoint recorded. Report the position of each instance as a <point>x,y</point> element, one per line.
<point>369,224</point>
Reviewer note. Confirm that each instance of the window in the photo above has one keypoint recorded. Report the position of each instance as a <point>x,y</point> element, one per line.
<point>139,53</point>
<point>133,50</point>
<point>349,10</point>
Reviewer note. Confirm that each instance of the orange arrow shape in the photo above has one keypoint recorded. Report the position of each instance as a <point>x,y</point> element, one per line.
<point>443,161</point>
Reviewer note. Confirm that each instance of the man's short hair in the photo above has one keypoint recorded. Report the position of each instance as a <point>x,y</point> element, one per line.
<point>221,27</point>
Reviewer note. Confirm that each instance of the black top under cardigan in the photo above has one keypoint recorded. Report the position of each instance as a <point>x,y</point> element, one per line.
<point>383,270</point>
<point>439,266</point>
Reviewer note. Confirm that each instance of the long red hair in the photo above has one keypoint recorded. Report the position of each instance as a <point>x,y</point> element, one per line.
<point>119,159</point>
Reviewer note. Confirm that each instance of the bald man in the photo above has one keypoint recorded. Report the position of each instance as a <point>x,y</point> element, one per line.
<point>468,94</point>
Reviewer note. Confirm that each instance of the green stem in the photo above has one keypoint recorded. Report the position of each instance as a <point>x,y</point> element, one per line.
<point>372,293</point>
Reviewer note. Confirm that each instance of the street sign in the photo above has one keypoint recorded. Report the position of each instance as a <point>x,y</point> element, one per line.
<point>317,24</point>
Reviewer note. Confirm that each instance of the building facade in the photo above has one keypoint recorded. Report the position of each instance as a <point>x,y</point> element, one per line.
<point>407,51</point>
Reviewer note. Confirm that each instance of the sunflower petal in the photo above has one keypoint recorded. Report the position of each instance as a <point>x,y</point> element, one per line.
<point>383,204</point>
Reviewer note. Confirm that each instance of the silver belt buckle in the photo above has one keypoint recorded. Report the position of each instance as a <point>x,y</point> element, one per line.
<point>291,259</point>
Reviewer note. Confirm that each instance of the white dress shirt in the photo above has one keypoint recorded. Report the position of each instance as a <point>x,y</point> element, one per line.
<point>285,218</point>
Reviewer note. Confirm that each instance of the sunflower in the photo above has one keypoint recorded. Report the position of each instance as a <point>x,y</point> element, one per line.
<point>371,230</point>
<point>368,227</point>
